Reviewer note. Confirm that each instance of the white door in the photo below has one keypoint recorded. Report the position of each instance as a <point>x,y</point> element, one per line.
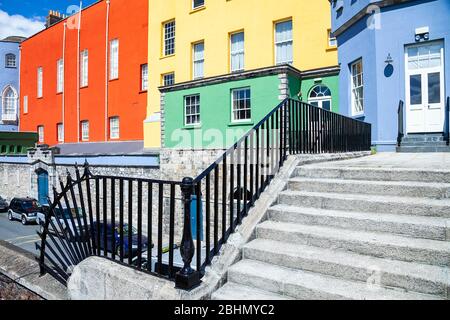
<point>425,102</point>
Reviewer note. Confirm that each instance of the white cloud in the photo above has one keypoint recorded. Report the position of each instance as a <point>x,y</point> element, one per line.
<point>17,25</point>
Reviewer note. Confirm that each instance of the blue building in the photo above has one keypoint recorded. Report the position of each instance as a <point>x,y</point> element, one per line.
<point>9,83</point>
<point>392,51</point>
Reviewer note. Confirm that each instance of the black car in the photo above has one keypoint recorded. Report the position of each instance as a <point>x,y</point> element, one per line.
<point>3,204</point>
<point>24,209</point>
<point>114,237</point>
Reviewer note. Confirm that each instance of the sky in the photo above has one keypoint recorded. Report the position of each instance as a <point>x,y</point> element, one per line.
<point>26,17</point>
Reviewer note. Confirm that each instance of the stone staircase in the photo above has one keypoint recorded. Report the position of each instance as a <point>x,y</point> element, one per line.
<point>423,143</point>
<point>350,233</point>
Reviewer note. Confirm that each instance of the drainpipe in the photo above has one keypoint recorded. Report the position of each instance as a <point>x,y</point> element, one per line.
<point>78,74</point>
<point>64,83</point>
<point>106,68</point>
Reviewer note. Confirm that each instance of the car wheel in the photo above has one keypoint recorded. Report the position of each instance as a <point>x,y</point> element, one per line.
<point>24,220</point>
<point>10,217</point>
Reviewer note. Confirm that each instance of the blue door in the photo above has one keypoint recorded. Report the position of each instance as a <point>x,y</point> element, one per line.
<point>42,187</point>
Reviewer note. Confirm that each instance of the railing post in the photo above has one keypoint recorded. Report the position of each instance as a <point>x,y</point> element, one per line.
<point>447,121</point>
<point>187,278</point>
<point>400,123</point>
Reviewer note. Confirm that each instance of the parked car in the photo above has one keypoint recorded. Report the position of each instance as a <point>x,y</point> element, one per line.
<point>114,237</point>
<point>62,215</point>
<point>3,204</point>
<point>24,209</point>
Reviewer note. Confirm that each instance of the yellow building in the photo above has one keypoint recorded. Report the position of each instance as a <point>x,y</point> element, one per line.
<point>186,33</point>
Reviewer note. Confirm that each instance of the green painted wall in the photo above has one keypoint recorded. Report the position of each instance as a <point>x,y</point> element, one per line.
<point>216,129</point>
<point>331,82</point>
<point>16,142</point>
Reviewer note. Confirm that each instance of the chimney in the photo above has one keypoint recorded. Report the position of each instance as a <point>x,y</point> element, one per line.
<point>53,17</point>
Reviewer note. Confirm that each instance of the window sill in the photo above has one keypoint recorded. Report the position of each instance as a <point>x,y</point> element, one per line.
<point>195,10</point>
<point>84,87</point>
<point>115,79</point>
<point>166,57</point>
<point>328,49</point>
<point>192,127</point>
<point>242,123</point>
<point>143,91</point>
<point>59,93</point>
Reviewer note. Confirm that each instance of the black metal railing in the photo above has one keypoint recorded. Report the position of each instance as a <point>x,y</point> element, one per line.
<point>118,218</point>
<point>401,127</point>
<point>447,122</point>
<point>174,229</point>
<point>231,185</point>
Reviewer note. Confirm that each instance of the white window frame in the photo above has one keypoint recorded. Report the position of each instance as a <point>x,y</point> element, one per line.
<point>192,114</point>
<point>237,52</point>
<point>60,75</point>
<point>25,104</point>
<point>114,59</point>
<point>9,104</point>
<point>60,132</point>
<point>114,128</point>
<point>279,43</point>
<point>355,88</point>
<point>84,68</point>
<point>198,61</point>
<point>165,76</point>
<point>10,60</point>
<point>40,80</point>
<point>41,137</point>
<point>169,29</point>
<point>332,40</point>
<point>195,7</point>
<point>85,130</point>
<point>249,108</point>
<point>144,77</point>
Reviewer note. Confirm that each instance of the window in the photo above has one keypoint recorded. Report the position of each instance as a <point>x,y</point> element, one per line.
<point>60,76</point>
<point>237,52</point>
<point>60,131</point>
<point>85,130</point>
<point>114,60</point>
<point>197,4</point>
<point>320,96</point>
<point>39,82</point>
<point>10,60</point>
<point>114,128</point>
<point>241,104</point>
<point>84,68</point>
<point>169,38</point>
<point>332,42</point>
<point>40,130</point>
<point>9,104</point>
<point>199,60</point>
<point>357,88</point>
<point>283,42</point>
<point>25,104</point>
<point>144,77</point>
<point>168,79</point>
<point>192,109</point>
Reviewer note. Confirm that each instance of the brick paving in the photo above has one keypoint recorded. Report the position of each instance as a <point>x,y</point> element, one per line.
<point>9,290</point>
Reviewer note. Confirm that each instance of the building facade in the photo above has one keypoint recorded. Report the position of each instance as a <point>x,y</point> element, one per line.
<point>391,51</point>
<point>9,83</point>
<point>212,73</point>
<point>84,78</point>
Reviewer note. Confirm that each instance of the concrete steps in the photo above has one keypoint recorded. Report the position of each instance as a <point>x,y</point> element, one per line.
<point>366,243</point>
<point>364,203</point>
<point>407,225</point>
<point>351,232</point>
<point>305,285</point>
<point>423,148</point>
<point>233,291</point>
<point>350,266</point>
<point>374,173</point>
<point>388,188</point>
<point>416,143</point>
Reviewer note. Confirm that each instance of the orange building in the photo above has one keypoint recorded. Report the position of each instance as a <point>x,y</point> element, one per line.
<point>84,78</point>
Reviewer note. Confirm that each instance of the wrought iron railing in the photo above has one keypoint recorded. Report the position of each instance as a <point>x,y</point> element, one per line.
<point>447,122</point>
<point>401,127</point>
<point>174,229</point>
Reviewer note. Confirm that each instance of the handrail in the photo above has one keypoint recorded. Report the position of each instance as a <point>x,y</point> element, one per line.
<point>447,122</point>
<point>401,132</point>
